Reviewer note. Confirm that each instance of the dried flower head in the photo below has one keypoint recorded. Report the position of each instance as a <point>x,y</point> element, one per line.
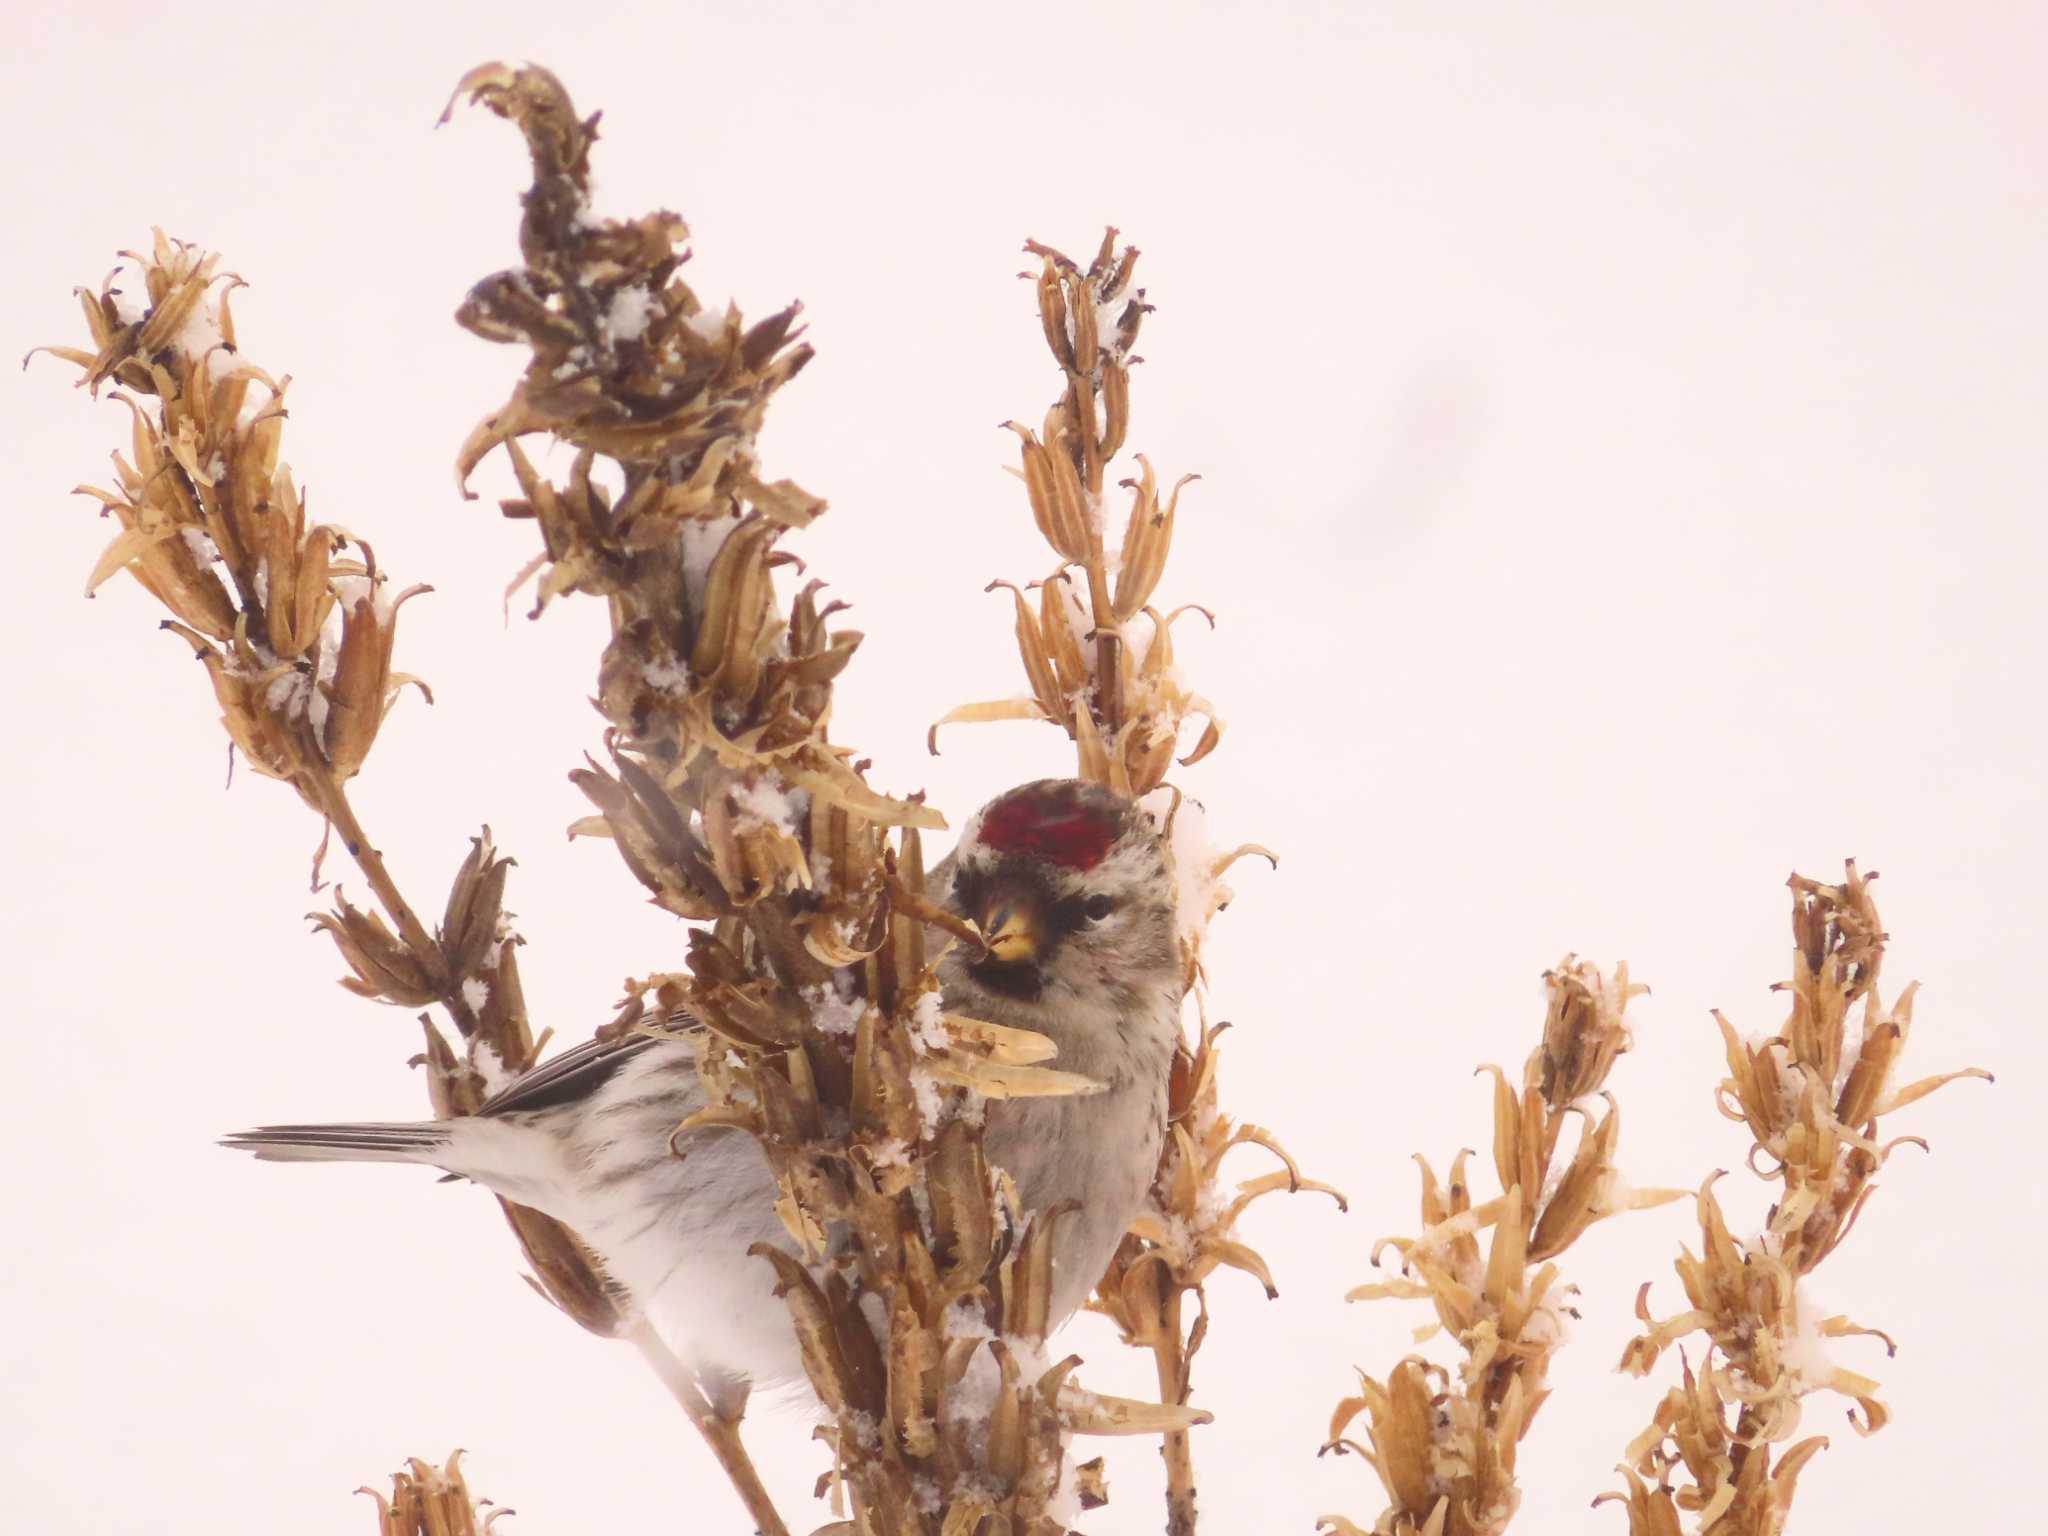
<point>297,639</point>
<point>1811,1096</point>
<point>1099,662</point>
<point>1444,1441</point>
<point>427,1500</point>
<point>1098,658</point>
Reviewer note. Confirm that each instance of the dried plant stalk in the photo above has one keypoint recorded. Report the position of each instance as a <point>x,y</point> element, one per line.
<point>296,635</point>
<point>1811,1096</point>
<point>1444,1443</point>
<point>809,994</point>
<point>427,1500</point>
<point>1098,659</point>
<point>1097,656</point>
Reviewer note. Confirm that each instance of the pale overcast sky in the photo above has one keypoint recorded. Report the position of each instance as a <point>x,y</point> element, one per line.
<point>1621,431</point>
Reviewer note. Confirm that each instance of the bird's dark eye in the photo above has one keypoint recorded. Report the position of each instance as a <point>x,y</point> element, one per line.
<point>1096,908</point>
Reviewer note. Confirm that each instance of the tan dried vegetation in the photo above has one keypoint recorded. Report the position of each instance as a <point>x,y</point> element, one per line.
<point>427,1500</point>
<point>1098,658</point>
<point>1811,1096</point>
<point>726,798</point>
<point>1444,1441</point>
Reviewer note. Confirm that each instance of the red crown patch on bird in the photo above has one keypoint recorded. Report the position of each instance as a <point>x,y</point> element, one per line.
<point>1054,824</point>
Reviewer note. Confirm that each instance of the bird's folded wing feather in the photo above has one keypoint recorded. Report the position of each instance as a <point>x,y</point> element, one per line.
<point>574,1075</point>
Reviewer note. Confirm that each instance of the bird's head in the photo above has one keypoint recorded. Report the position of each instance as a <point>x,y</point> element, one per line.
<point>1073,887</point>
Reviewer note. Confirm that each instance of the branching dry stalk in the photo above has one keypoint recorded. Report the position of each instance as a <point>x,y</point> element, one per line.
<point>296,637</point>
<point>1811,1096</point>
<point>1099,662</point>
<point>1444,1442</point>
<point>918,1285</point>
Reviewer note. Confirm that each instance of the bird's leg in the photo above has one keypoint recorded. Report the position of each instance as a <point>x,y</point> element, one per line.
<point>719,1427</point>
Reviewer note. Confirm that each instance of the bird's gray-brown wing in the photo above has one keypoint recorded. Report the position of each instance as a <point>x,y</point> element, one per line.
<point>572,1076</point>
<point>564,1080</point>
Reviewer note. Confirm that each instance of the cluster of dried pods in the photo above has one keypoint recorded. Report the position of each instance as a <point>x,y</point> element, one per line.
<point>1098,657</point>
<point>1444,1441</point>
<point>214,528</point>
<point>809,993</point>
<point>812,1003</point>
<point>1811,1096</point>
<point>1099,662</point>
<point>811,999</point>
<point>426,1500</point>
<point>296,637</point>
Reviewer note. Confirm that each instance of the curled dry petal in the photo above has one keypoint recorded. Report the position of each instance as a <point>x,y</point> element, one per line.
<point>975,714</point>
<point>1096,1413</point>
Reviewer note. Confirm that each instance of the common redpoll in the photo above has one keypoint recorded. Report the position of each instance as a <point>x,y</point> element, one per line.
<point>1073,887</point>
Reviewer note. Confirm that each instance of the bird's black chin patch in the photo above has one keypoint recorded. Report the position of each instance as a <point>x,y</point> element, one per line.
<point>1010,980</point>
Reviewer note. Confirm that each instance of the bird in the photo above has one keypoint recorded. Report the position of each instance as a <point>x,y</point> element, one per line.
<point>1073,888</point>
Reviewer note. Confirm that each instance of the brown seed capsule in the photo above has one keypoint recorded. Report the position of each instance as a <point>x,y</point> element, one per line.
<point>1031,647</point>
<point>1081,305</point>
<point>363,688</point>
<point>1052,313</point>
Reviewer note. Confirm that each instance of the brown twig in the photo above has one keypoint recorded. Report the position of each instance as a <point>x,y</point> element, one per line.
<point>720,1431</point>
<point>1170,1359</point>
<point>331,799</point>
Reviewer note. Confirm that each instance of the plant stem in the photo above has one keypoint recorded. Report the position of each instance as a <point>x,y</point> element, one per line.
<point>333,803</point>
<point>722,1434</point>
<point>1171,1361</point>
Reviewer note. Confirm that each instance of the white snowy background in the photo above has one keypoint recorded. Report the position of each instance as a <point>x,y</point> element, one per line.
<point>1621,430</point>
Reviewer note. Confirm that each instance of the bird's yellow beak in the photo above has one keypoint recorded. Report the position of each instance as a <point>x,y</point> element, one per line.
<point>1007,929</point>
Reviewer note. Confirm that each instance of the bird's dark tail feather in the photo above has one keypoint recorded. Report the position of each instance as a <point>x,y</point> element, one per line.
<point>361,1142</point>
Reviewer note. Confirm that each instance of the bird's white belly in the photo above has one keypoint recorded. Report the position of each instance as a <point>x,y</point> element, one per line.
<point>674,1232</point>
<point>690,1273</point>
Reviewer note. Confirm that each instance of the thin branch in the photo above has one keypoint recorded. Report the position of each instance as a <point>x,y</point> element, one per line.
<point>721,1433</point>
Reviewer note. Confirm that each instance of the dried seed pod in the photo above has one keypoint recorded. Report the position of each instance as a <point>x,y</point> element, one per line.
<point>385,967</point>
<point>431,1501</point>
<point>1052,313</point>
<point>1147,539</point>
<point>654,840</point>
<point>474,914</point>
<point>268,741</point>
<point>1057,610</point>
<point>363,689</point>
<point>1031,646</point>
<point>1085,356</point>
<point>1116,408</point>
<point>1057,502</point>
